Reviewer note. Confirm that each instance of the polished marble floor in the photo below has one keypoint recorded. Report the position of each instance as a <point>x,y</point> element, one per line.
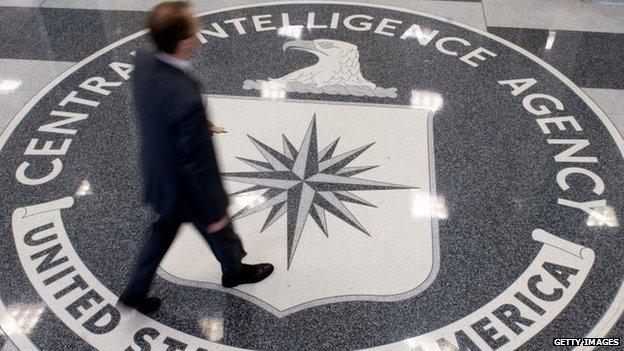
<point>466,187</point>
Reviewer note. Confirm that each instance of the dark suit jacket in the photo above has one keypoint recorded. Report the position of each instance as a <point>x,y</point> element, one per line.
<point>180,171</point>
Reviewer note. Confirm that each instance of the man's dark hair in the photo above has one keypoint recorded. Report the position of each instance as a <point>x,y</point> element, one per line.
<point>169,24</point>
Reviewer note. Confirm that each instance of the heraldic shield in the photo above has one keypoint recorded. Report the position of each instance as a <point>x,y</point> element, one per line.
<point>340,198</point>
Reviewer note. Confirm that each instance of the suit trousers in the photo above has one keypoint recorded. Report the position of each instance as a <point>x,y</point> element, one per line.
<point>225,245</point>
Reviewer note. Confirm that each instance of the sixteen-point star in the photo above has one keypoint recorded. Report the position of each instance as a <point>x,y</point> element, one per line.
<point>305,182</point>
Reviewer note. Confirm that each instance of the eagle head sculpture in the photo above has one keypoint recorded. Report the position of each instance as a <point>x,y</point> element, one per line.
<point>338,64</point>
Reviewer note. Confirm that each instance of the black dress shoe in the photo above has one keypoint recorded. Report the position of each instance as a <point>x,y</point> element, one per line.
<point>147,306</point>
<point>248,274</point>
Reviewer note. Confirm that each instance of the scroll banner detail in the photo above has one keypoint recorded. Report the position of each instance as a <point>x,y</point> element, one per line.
<point>543,290</point>
<point>45,221</point>
<point>89,309</point>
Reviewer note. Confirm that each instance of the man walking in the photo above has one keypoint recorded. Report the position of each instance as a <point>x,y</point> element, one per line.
<point>180,172</point>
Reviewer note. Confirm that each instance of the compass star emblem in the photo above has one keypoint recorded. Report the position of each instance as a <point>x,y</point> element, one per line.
<point>305,182</point>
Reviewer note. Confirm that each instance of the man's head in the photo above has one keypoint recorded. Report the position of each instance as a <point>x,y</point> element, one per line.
<point>172,28</point>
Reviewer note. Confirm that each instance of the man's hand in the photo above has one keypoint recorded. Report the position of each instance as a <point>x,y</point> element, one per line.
<point>216,226</point>
<point>218,129</point>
